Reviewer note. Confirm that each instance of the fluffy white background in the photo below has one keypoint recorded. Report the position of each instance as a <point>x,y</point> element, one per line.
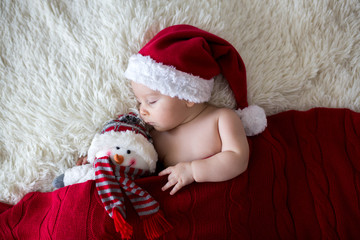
<point>62,64</point>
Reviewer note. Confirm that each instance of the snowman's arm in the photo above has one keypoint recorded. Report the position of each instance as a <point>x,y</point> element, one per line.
<point>79,174</point>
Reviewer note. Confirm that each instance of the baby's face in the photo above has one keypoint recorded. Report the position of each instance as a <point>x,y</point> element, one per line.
<point>162,112</point>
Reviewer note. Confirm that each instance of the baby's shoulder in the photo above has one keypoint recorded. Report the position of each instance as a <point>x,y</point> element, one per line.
<point>223,112</point>
<point>227,117</point>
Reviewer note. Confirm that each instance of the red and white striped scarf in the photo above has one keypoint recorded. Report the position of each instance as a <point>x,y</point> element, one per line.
<point>114,180</point>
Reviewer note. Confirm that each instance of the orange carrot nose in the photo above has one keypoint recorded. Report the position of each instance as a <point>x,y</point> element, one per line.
<point>119,158</point>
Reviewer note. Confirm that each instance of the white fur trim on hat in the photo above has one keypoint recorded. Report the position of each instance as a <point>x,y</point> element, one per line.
<point>168,80</point>
<point>126,139</point>
<point>253,118</point>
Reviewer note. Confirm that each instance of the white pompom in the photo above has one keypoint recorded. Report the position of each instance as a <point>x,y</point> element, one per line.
<point>253,118</point>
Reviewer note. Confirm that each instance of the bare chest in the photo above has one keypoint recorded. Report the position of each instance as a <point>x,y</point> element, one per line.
<point>192,142</point>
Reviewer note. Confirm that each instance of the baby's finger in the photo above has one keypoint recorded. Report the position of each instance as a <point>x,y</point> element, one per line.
<point>176,188</point>
<point>169,184</point>
<point>165,172</point>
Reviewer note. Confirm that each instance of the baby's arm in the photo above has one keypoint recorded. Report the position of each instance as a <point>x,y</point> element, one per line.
<point>227,164</point>
<point>234,156</point>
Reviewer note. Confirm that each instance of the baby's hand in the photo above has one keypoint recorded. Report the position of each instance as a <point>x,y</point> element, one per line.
<point>82,161</point>
<point>180,175</point>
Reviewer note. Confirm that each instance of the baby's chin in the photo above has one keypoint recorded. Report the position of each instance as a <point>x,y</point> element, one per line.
<point>160,128</point>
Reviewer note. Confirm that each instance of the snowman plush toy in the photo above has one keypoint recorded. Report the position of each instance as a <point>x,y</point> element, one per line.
<point>119,154</point>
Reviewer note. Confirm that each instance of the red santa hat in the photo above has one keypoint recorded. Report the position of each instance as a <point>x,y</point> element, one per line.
<point>182,61</point>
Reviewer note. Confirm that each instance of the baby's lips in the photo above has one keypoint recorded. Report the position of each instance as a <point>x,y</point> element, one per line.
<point>119,158</point>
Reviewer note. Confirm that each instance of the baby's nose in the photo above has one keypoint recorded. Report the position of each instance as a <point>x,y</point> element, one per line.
<point>143,112</point>
<point>119,159</point>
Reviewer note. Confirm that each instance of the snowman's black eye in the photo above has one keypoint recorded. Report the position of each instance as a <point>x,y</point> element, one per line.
<point>128,151</point>
<point>117,148</point>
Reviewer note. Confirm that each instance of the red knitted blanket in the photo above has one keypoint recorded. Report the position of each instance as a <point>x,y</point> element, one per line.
<point>303,182</point>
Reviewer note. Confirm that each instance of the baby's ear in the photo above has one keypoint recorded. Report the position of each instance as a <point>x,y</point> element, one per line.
<point>189,104</point>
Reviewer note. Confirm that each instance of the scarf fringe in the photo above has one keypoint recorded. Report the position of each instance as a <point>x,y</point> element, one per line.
<point>122,226</point>
<point>155,225</point>
<point>154,222</point>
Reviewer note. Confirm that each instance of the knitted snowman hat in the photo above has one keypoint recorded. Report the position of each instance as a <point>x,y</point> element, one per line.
<point>182,61</point>
<point>127,131</point>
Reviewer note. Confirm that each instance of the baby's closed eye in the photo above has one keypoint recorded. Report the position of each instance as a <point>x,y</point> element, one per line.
<point>152,102</point>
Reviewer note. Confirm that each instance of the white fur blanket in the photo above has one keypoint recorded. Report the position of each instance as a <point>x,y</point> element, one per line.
<point>62,64</point>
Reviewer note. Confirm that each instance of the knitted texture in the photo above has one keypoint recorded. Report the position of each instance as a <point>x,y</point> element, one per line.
<point>112,181</point>
<point>127,122</point>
